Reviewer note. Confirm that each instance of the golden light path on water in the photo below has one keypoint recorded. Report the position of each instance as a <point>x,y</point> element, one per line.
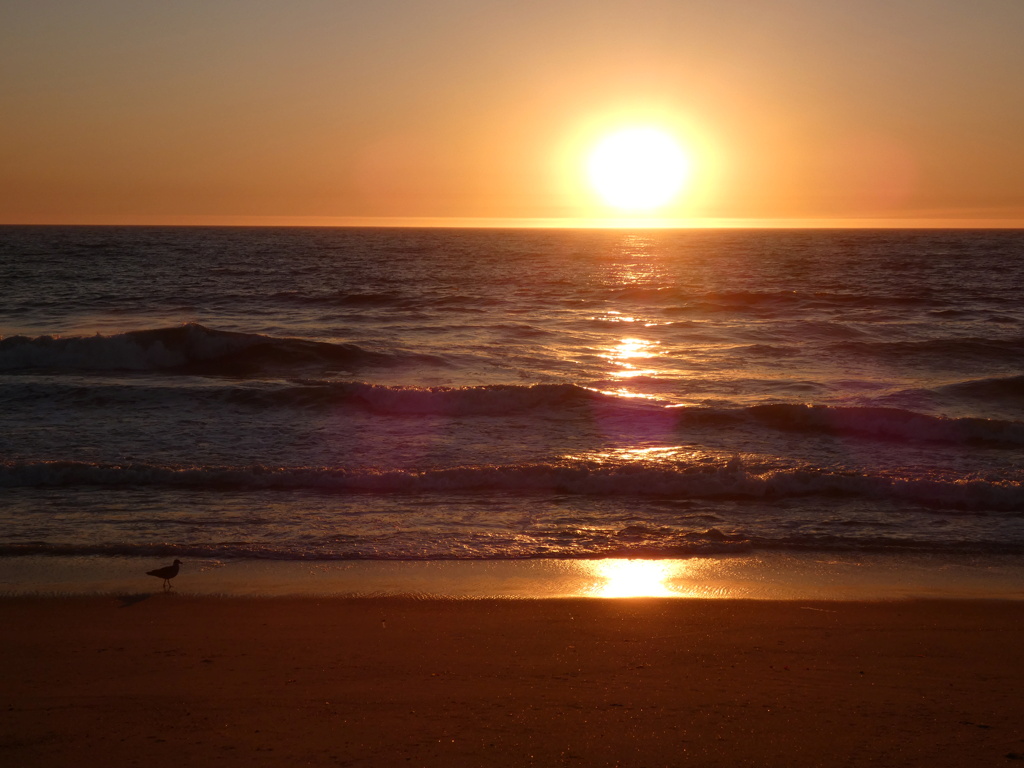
<point>638,578</point>
<point>628,350</point>
<point>633,357</point>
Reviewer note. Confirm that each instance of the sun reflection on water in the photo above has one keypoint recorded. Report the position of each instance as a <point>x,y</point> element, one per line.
<point>661,453</point>
<point>627,353</point>
<point>636,578</point>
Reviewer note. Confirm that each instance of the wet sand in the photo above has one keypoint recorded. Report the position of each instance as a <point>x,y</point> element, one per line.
<point>168,680</point>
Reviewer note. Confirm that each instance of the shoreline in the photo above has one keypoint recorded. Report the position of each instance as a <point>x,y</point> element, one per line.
<point>174,680</point>
<point>764,576</point>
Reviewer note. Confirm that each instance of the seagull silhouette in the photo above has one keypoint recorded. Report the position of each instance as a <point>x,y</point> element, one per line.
<point>167,573</point>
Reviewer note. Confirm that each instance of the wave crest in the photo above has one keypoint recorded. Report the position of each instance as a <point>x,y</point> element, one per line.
<point>190,348</point>
<point>578,478</point>
<point>1000,388</point>
<point>888,423</point>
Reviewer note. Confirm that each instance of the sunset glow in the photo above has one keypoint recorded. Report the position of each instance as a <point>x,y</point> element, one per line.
<point>598,114</point>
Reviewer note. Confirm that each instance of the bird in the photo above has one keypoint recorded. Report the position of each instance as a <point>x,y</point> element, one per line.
<point>167,573</point>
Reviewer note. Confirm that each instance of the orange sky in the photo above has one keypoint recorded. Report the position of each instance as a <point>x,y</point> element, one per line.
<point>450,111</point>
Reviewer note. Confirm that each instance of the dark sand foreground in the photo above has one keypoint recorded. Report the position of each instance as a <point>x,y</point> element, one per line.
<point>165,680</point>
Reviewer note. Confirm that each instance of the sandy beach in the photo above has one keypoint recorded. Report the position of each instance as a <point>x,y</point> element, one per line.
<point>169,680</point>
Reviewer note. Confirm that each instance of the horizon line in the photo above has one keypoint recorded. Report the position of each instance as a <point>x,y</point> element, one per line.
<point>467,222</point>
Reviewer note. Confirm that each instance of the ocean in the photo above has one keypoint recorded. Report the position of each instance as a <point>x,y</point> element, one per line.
<point>351,394</point>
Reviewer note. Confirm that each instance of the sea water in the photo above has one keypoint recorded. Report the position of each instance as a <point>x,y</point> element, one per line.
<point>346,394</point>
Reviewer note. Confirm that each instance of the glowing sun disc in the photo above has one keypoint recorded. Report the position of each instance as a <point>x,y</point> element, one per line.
<point>638,168</point>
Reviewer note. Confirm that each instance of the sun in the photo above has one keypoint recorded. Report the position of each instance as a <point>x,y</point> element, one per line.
<point>638,169</point>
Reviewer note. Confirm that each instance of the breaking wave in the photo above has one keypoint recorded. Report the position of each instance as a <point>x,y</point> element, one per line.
<point>677,481</point>
<point>548,401</point>
<point>1000,388</point>
<point>983,350</point>
<point>190,348</point>
<point>889,424</point>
